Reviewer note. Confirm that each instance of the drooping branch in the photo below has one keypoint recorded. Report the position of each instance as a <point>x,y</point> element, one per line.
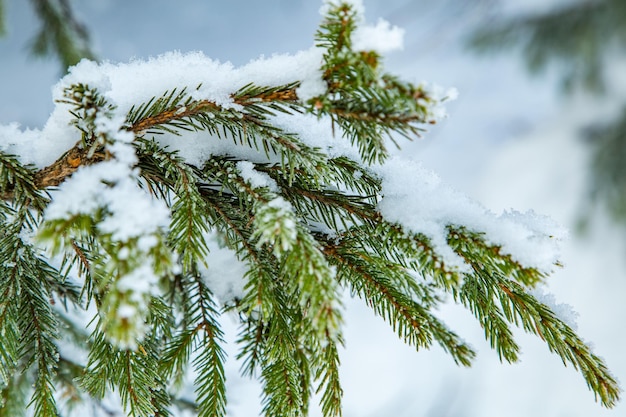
<point>54,174</point>
<point>249,97</point>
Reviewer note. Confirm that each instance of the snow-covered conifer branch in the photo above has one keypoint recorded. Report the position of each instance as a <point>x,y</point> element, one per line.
<point>284,162</point>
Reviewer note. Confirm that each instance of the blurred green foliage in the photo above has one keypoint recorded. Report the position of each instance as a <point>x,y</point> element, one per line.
<point>60,34</point>
<point>2,26</point>
<point>609,164</point>
<point>578,36</point>
<point>581,40</point>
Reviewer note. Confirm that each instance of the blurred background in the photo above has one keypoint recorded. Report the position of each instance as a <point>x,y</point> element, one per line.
<point>540,124</point>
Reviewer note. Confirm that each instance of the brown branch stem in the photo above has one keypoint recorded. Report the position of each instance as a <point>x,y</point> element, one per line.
<point>77,156</point>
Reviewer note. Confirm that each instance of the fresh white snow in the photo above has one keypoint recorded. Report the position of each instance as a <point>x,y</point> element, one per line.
<point>502,175</point>
<point>411,195</point>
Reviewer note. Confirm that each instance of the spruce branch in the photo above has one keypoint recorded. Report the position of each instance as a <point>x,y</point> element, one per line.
<point>336,209</point>
<point>39,333</point>
<point>471,245</point>
<point>176,355</point>
<point>87,105</point>
<point>65,166</point>
<point>283,392</point>
<point>367,104</point>
<point>61,33</point>
<point>3,29</point>
<point>189,223</point>
<point>375,280</point>
<point>413,251</point>
<point>251,339</point>
<point>19,185</point>
<point>137,382</point>
<point>300,257</point>
<point>9,309</point>
<point>305,224</point>
<point>269,347</point>
<point>211,381</point>
<point>202,335</point>
<point>26,318</point>
<point>496,300</point>
<point>178,109</point>
<point>134,373</point>
<point>537,318</point>
<point>9,346</point>
<point>329,382</point>
<point>480,301</point>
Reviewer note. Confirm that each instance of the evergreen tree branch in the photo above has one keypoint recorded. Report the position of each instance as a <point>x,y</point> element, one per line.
<point>178,107</point>
<point>202,334</point>
<point>135,382</point>
<point>413,251</point>
<point>38,330</point>
<point>315,202</point>
<point>495,298</point>
<point>24,182</point>
<point>473,246</point>
<point>26,319</point>
<point>100,366</point>
<point>134,373</point>
<point>283,393</point>
<point>479,299</point>
<point>368,105</point>
<point>81,259</point>
<point>176,355</point>
<point>9,346</point>
<point>18,184</point>
<point>251,338</point>
<point>189,222</point>
<point>3,29</point>
<point>61,33</point>
<point>329,383</point>
<point>276,226</point>
<point>211,380</point>
<point>576,34</point>
<point>233,226</point>
<point>178,111</point>
<point>268,344</point>
<point>537,318</point>
<point>374,280</point>
<point>303,223</point>
<point>66,165</point>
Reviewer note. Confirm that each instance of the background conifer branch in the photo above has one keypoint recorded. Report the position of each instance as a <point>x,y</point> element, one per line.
<point>61,33</point>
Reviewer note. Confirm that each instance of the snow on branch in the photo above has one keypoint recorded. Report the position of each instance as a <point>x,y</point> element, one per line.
<point>150,176</point>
